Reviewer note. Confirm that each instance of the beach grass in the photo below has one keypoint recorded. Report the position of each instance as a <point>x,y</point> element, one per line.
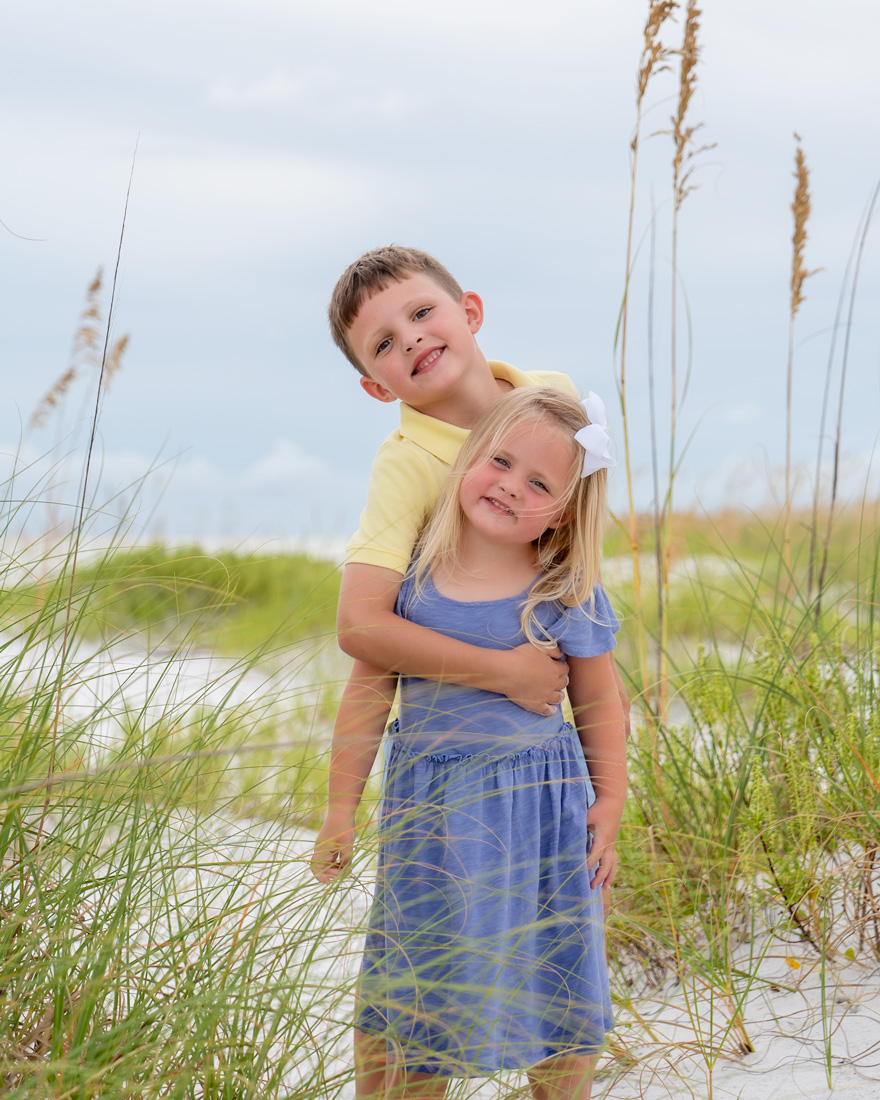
<point>161,935</point>
<point>164,738</point>
<point>236,602</point>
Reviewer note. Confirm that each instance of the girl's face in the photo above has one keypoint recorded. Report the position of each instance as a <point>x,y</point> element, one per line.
<point>514,493</point>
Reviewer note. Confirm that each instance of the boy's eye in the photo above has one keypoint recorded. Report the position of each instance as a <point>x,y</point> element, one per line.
<point>382,346</point>
<point>421,314</point>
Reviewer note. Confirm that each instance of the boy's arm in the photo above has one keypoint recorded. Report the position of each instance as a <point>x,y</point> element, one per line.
<point>600,724</point>
<point>370,632</point>
<point>360,723</point>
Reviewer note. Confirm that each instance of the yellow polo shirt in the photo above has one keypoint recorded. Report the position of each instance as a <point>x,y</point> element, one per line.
<point>409,470</point>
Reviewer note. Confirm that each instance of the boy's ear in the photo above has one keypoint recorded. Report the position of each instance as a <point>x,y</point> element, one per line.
<point>473,308</point>
<point>377,390</point>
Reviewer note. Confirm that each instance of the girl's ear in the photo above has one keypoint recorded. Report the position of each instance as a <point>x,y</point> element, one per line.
<point>377,390</point>
<point>560,520</point>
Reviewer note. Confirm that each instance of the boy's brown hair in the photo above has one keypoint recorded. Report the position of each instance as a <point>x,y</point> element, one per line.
<point>373,272</point>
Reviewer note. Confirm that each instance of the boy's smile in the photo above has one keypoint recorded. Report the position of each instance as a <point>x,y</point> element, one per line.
<point>415,341</point>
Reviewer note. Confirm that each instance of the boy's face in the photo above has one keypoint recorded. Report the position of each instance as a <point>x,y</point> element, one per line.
<point>415,341</point>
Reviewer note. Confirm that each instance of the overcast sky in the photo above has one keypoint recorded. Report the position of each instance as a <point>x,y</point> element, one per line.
<point>276,141</point>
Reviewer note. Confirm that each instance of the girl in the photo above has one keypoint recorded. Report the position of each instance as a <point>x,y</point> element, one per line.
<point>485,948</point>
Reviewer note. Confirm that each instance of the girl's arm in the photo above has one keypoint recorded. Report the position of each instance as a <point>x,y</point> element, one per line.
<point>624,696</point>
<point>370,631</point>
<point>360,723</point>
<point>599,716</point>
<point>621,687</point>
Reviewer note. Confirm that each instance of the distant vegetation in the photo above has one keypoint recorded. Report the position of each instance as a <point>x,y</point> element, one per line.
<point>228,602</point>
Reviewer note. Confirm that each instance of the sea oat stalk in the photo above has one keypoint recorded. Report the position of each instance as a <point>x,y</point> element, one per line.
<point>76,535</point>
<point>654,59</point>
<point>85,358</point>
<point>800,208</point>
<point>684,153</point>
<point>843,371</point>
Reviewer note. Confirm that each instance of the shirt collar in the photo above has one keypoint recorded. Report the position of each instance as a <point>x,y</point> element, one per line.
<point>444,440</point>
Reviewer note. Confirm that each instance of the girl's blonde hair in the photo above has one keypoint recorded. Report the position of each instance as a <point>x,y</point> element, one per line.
<point>568,556</point>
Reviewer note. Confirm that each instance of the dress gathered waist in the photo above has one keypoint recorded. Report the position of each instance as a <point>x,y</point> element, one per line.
<point>413,747</point>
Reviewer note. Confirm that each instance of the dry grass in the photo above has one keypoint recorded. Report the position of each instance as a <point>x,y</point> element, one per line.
<point>85,355</point>
<point>682,131</point>
<point>654,59</point>
<point>801,207</point>
<point>683,164</point>
<point>655,56</point>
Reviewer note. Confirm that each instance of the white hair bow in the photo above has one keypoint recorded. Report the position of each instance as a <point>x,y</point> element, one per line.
<point>595,438</point>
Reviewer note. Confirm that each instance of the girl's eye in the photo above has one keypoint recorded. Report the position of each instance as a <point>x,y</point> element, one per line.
<point>500,461</point>
<point>382,346</point>
<point>422,313</point>
<point>541,486</point>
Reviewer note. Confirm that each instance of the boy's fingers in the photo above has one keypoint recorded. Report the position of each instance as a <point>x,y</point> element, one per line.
<point>540,679</point>
<point>326,861</point>
<point>328,864</point>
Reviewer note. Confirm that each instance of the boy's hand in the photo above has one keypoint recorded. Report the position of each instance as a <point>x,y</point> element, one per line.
<point>334,847</point>
<point>536,678</point>
<point>603,822</point>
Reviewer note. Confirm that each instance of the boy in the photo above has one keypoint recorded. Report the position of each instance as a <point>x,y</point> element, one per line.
<point>408,329</point>
<point>406,326</point>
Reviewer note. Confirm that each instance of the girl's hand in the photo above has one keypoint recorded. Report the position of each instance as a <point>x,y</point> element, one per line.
<point>603,822</point>
<point>334,847</point>
<point>605,864</point>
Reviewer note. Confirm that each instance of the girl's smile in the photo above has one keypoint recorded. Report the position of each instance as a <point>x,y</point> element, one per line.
<point>516,492</point>
<point>497,504</point>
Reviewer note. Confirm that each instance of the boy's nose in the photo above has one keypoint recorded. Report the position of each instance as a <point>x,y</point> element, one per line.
<point>413,343</point>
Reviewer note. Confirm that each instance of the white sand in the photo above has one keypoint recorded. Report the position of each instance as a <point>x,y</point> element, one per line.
<point>796,1043</point>
<point>801,1037</point>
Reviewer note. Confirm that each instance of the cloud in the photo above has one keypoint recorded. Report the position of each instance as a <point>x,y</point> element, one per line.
<point>392,103</point>
<point>742,414</point>
<point>282,464</point>
<point>496,138</point>
<point>278,88</point>
<point>285,492</point>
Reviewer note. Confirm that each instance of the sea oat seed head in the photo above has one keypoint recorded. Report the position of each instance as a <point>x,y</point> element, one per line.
<point>654,53</point>
<point>683,135</point>
<point>113,362</point>
<point>800,207</point>
<point>50,400</point>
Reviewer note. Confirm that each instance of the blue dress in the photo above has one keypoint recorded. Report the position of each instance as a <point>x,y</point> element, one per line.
<point>485,948</point>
